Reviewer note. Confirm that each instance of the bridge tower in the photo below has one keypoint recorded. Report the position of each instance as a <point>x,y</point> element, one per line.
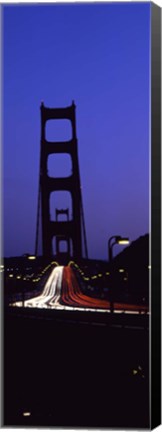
<point>62,238</point>
<point>68,229</point>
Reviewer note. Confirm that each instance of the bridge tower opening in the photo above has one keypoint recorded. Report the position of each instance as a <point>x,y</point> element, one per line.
<point>61,238</point>
<point>70,230</point>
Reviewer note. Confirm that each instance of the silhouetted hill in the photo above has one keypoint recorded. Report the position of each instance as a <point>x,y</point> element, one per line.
<point>136,255</point>
<point>134,259</point>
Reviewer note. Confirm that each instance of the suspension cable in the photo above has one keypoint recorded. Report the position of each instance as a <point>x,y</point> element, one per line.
<point>37,221</point>
<point>84,229</point>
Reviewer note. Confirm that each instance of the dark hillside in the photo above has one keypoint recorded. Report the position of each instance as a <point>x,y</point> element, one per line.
<point>135,261</point>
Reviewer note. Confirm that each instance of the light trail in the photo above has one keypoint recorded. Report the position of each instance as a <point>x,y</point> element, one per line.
<point>51,291</point>
<point>62,291</point>
<point>73,296</point>
<point>55,300</point>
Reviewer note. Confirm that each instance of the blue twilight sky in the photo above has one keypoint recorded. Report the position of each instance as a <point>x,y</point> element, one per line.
<point>98,55</point>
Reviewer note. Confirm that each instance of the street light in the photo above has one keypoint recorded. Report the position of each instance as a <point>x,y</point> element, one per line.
<point>117,240</point>
<point>121,241</point>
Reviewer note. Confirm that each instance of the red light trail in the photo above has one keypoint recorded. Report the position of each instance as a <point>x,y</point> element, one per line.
<point>72,295</point>
<point>62,291</point>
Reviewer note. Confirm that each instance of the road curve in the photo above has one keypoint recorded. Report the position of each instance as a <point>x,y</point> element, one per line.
<point>72,295</point>
<point>62,291</point>
<point>51,293</point>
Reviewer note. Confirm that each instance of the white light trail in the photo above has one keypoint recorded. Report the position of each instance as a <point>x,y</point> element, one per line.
<point>50,298</point>
<point>50,293</point>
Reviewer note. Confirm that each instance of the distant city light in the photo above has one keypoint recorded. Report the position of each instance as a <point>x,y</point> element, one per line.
<point>26,414</point>
<point>121,270</point>
<point>31,257</point>
<point>10,275</point>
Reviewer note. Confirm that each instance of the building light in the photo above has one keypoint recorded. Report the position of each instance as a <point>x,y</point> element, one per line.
<point>121,270</point>
<point>31,257</point>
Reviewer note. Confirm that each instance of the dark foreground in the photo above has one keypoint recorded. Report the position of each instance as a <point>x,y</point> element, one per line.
<point>74,373</point>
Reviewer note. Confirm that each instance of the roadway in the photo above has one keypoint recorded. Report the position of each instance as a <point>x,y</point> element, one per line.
<point>62,291</point>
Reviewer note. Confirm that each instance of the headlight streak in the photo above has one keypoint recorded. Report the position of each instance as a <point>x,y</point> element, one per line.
<point>51,299</point>
<point>56,297</point>
<point>48,292</point>
<point>43,297</point>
